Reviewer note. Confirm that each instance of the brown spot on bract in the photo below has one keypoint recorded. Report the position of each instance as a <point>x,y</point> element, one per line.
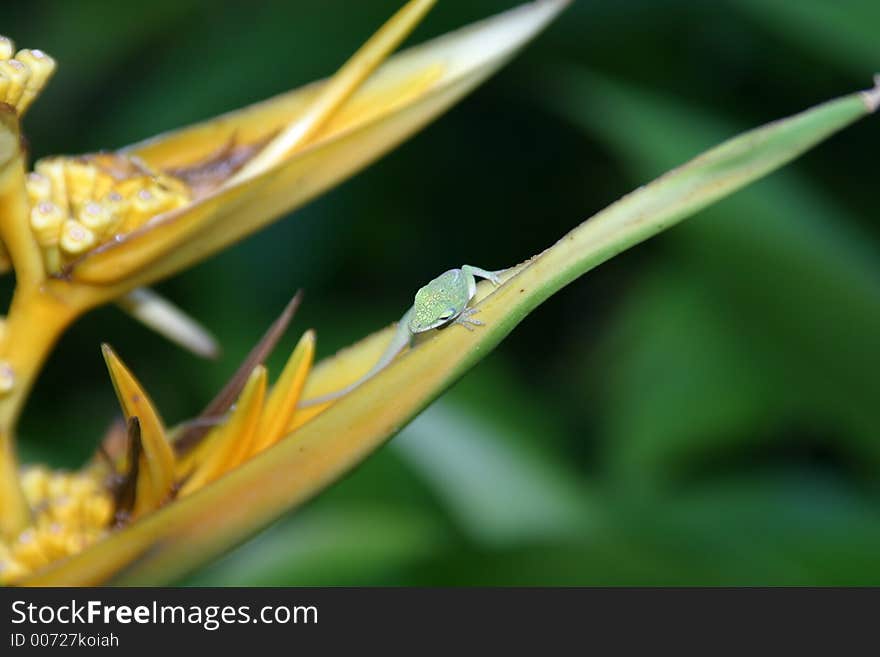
<point>205,176</point>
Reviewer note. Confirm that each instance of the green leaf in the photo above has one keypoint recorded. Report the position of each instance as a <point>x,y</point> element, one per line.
<point>845,32</point>
<point>497,490</point>
<point>682,385</point>
<point>773,528</point>
<point>350,545</point>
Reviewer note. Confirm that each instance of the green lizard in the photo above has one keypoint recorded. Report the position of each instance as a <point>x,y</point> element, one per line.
<point>442,302</point>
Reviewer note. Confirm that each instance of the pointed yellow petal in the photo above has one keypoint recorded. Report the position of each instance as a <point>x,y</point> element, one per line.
<point>339,88</point>
<point>231,443</point>
<point>408,91</point>
<point>335,373</point>
<point>281,404</point>
<point>156,474</point>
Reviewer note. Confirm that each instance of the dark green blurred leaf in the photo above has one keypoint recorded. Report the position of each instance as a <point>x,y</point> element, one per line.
<point>499,492</point>
<point>770,529</point>
<point>797,285</point>
<point>684,386</point>
<point>844,31</point>
<point>343,545</point>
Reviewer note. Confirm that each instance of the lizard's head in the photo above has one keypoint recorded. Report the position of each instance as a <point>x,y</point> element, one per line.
<point>425,318</point>
<point>436,304</point>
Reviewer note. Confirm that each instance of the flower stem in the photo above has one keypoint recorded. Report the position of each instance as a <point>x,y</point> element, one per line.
<point>35,321</point>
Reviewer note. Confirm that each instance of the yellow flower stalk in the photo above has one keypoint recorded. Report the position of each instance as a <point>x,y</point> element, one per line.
<point>82,231</point>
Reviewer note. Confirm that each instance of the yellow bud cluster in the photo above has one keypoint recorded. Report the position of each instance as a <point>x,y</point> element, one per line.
<point>79,203</point>
<point>23,75</point>
<point>71,511</point>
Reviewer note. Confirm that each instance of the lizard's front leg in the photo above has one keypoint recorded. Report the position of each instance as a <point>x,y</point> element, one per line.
<point>464,319</point>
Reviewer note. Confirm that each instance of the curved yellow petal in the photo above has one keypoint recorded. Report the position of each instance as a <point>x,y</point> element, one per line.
<point>233,441</point>
<point>282,401</point>
<point>155,483</point>
<point>332,374</point>
<point>338,89</point>
<point>403,95</point>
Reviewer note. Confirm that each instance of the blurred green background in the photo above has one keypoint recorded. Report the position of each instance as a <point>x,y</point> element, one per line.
<point>703,409</point>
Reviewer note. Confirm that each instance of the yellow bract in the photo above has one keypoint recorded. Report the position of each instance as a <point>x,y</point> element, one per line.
<point>231,444</point>
<point>281,407</point>
<point>155,480</point>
